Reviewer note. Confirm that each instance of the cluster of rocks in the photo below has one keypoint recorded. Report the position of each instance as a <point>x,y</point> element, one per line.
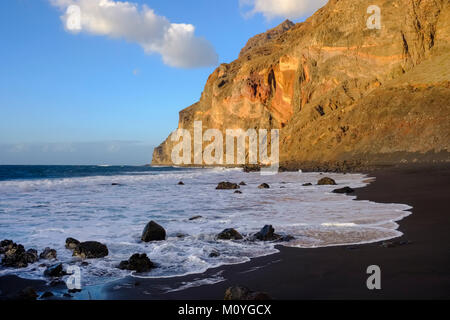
<point>15,255</point>
<point>326,181</point>
<point>137,262</point>
<point>267,233</point>
<point>225,185</point>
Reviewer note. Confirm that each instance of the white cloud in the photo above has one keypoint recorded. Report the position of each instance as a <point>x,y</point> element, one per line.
<point>290,9</point>
<point>176,43</point>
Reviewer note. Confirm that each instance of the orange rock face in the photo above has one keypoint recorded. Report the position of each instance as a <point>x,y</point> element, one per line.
<point>338,90</point>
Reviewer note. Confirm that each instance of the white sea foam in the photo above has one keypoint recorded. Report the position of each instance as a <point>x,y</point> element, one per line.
<point>43,213</point>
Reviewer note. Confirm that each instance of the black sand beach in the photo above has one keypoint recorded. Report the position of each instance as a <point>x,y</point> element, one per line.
<point>416,266</point>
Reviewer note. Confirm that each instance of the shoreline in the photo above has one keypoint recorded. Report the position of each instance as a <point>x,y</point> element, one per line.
<point>417,270</point>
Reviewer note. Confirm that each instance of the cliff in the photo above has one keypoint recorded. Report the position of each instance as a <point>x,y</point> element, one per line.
<point>338,91</point>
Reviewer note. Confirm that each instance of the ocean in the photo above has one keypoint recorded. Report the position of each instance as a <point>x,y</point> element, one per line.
<point>41,206</point>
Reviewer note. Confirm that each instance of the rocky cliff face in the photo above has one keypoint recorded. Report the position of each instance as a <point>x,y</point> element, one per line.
<point>337,90</point>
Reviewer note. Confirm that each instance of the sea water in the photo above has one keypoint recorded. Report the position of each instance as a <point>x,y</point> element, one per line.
<point>42,206</point>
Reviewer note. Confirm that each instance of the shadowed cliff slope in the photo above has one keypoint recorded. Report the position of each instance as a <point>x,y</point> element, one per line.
<point>338,90</point>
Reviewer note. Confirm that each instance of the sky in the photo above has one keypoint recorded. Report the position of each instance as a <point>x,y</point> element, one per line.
<point>107,88</point>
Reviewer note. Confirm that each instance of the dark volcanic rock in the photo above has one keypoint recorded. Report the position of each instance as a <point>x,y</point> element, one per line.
<point>307,184</point>
<point>5,245</point>
<point>153,232</point>
<point>267,234</point>
<point>243,293</point>
<point>72,243</point>
<point>195,218</point>
<point>137,262</point>
<point>90,250</point>
<point>15,255</point>
<point>32,255</point>
<point>227,186</point>
<point>242,183</point>
<point>54,271</point>
<point>181,183</point>
<point>264,186</point>
<point>229,234</point>
<point>326,181</point>
<point>48,254</point>
<point>344,190</point>
<point>238,192</point>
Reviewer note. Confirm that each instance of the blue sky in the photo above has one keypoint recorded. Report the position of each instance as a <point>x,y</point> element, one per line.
<point>87,98</point>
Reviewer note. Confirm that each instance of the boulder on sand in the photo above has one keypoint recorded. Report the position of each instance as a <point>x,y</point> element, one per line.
<point>137,262</point>
<point>153,232</point>
<point>90,250</point>
<point>267,233</point>
<point>264,186</point>
<point>243,293</point>
<point>229,234</point>
<point>32,255</point>
<point>326,181</point>
<point>344,190</point>
<point>242,183</point>
<point>227,186</point>
<point>15,255</point>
